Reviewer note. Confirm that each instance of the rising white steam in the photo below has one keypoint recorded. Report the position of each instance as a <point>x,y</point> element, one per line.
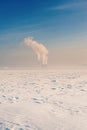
<point>40,50</point>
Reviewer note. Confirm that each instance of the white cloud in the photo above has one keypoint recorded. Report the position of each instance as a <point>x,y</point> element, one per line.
<point>70,6</point>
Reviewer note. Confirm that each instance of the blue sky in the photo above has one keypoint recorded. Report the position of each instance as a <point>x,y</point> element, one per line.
<point>54,23</point>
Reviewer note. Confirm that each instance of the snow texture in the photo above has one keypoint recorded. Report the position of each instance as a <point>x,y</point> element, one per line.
<point>43,99</point>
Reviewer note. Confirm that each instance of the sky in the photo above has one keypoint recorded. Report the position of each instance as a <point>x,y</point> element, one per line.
<point>60,25</point>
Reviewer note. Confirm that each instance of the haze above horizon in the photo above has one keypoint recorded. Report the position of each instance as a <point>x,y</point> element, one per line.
<point>59,25</point>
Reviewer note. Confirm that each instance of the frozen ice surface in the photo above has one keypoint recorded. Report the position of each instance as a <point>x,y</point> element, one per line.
<point>43,99</point>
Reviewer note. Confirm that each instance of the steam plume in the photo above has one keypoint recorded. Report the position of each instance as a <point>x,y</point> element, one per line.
<point>39,49</point>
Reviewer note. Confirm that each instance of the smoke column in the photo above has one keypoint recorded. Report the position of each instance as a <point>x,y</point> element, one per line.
<point>39,49</point>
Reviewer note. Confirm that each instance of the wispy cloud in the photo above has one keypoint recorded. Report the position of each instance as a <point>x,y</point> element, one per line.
<point>78,5</point>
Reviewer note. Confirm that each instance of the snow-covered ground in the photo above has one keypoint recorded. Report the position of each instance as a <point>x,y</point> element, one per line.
<point>43,99</point>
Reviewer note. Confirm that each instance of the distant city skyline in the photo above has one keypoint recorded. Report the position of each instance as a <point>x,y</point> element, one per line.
<point>60,25</point>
